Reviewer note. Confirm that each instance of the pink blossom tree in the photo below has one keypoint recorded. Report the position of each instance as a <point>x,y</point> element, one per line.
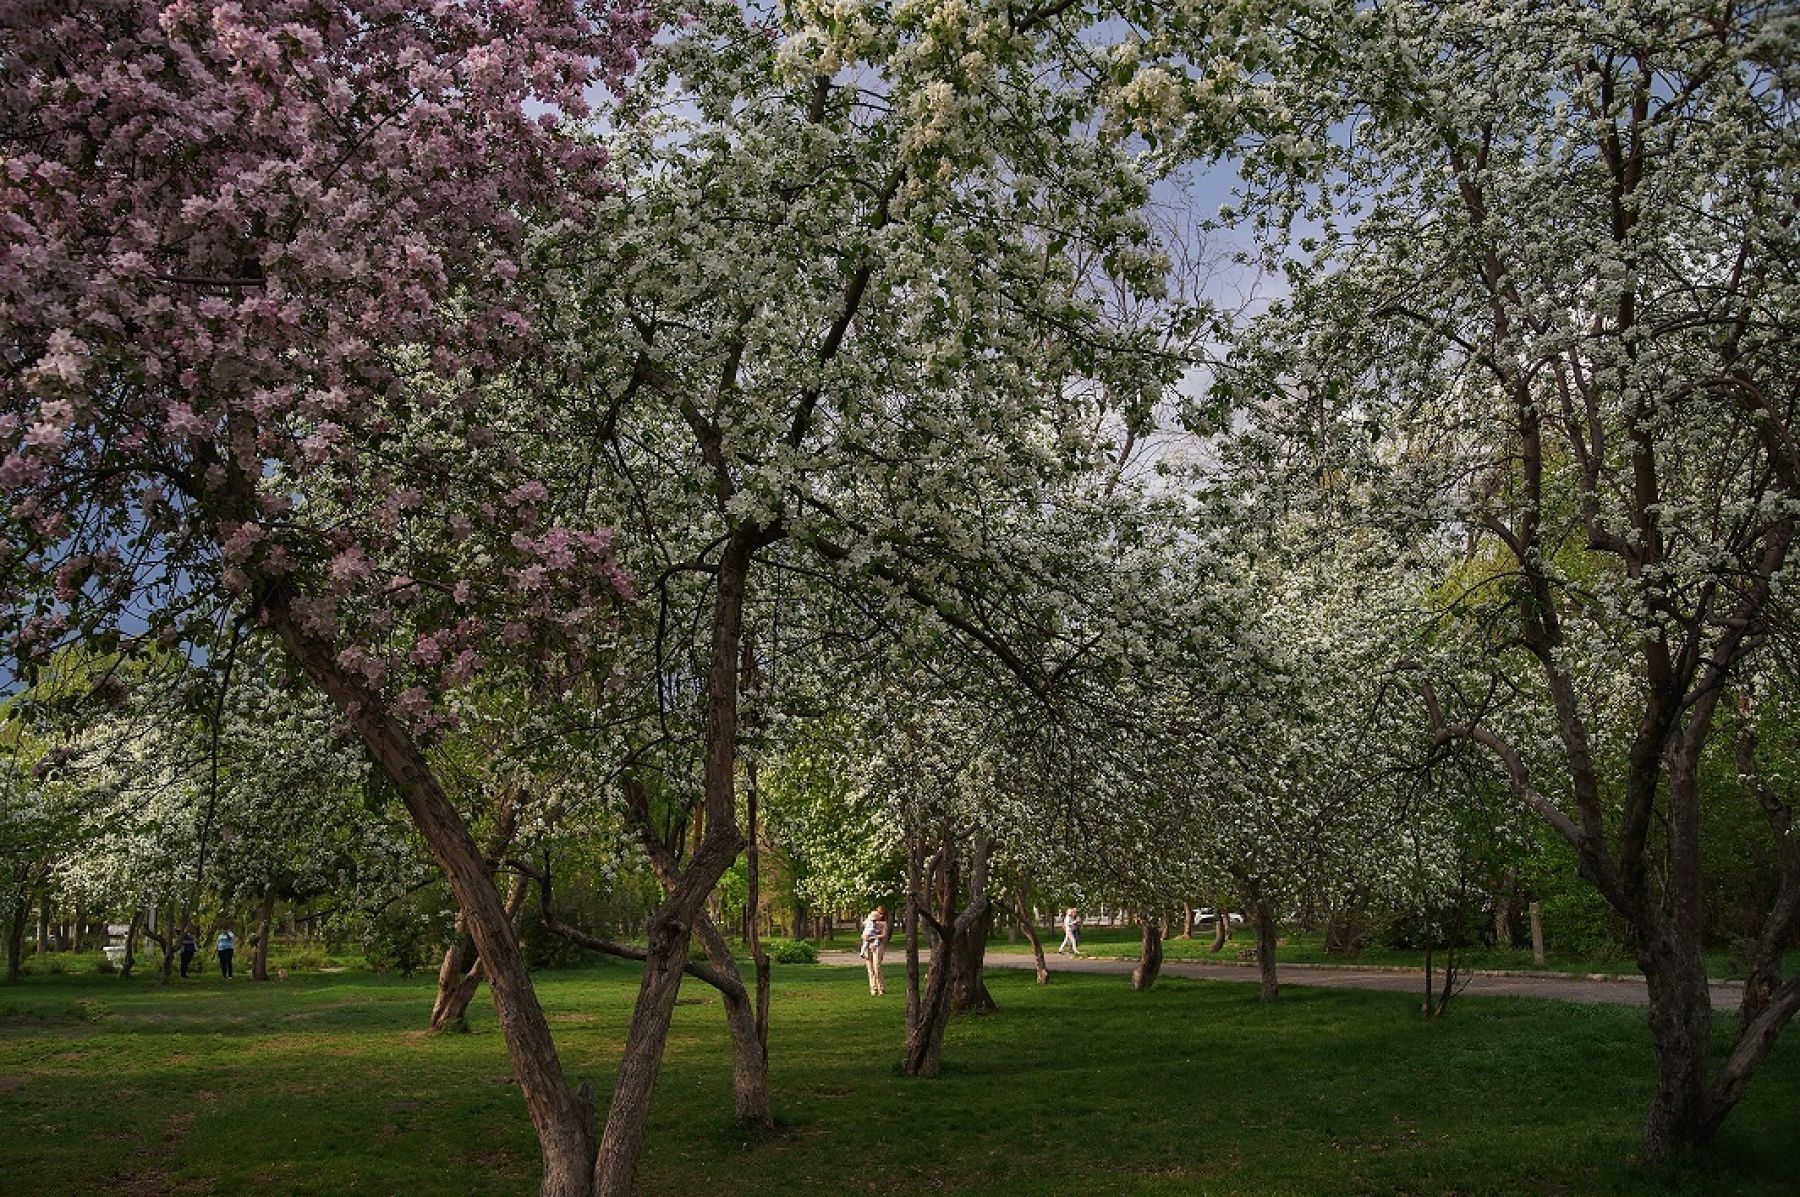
<point>269,358</point>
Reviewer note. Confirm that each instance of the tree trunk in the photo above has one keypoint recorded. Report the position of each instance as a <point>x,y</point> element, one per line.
<point>1265,948</point>
<point>1537,934</point>
<point>171,940</point>
<point>1022,913</point>
<point>1221,932</point>
<point>1187,919</point>
<point>131,935</point>
<point>265,923</point>
<point>629,1114</point>
<point>745,1019</point>
<point>563,1117</point>
<point>15,939</point>
<point>460,973</point>
<point>968,988</point>
<point>1150,956</point>
<point>925,1032</point>
<point>958,945</point>
<point>1681,1030</point>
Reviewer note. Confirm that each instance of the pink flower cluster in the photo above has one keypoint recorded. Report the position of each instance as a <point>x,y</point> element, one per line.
<point>230,232</point>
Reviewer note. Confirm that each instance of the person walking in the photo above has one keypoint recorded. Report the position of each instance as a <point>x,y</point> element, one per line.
<point>1071,944</point>
<point>874,947</point>
<point>227,947</point>
<point>189,945</point>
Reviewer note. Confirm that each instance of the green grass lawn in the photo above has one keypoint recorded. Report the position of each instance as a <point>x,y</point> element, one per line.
<point>1309,948</point>
<point>322,1084</point>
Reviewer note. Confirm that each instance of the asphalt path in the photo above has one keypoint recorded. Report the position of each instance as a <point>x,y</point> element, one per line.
<point>1622,991</point>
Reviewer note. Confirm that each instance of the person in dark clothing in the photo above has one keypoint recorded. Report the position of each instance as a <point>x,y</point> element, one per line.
<point>188,947</point>
<point>227,945</point>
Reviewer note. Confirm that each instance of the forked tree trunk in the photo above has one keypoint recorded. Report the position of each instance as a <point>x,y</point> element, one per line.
<point>928,1013</point>
<point>1150,954</point>
<point>461,972</point>
<point>968,987</point>
<point>562,1116</point>
<point>670,928</point>
<point>265,923</point>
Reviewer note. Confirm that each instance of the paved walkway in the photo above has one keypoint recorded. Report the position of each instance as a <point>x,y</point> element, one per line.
<point>1625,991</point>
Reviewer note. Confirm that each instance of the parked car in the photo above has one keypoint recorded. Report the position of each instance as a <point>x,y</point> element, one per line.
<point>1207,914</point>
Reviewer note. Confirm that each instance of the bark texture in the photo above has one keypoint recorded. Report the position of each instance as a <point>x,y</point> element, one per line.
<point>671,926</point>
<point>1022,915</point>
<point>563,1116</point>
<point>265,923</point>
<point>1265,948</point>
<point>953,935</point>
<point>1150,954</point>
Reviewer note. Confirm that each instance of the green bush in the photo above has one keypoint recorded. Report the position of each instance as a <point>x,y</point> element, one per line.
<point>302,960</point>
<point>409,935</point>
<point>1580,923</point>
<point>790,951</point>
<point>105,966</point>
<point>546,949</point>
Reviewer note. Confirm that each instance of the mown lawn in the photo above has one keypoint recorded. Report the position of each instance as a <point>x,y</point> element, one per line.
<point>1309,948</point>
<point>322,1084</point>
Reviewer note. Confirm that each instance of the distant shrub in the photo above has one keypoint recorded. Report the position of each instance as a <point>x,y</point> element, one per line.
<point>546,949</point>
<point>791,951</point>
<point>304,960</point>
<point>55,966</point>
<point>408,935</point>
<point>1580,923</point>
<point>105,966</point>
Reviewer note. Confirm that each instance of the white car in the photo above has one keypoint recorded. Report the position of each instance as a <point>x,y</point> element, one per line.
<point>1207,914</point>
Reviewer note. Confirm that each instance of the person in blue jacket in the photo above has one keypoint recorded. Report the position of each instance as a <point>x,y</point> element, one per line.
<point>227,945</point>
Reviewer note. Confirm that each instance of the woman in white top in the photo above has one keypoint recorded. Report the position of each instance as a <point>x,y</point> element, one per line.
<point>874,946</point>
<point>1071,944</point>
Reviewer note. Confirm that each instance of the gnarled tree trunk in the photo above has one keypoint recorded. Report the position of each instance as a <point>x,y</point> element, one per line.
<point>460,972</point>
<point>563,1116</point>
<point>928,1013</point>
<point>968,949</point>
<point>460,975</point>
<point>1150,954</point>
<point>671,926</point>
